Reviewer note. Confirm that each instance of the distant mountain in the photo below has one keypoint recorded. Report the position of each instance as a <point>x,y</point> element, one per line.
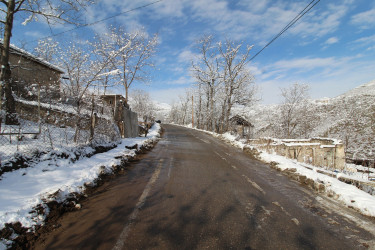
<point>349,117</point>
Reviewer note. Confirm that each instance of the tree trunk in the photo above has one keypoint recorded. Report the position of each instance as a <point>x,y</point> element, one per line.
<point>93,120</point>
<point>200,113</point>
<point>212,105</point>
<point>222,117</point>
<point>78,123</point>
<point>126,93</point>
<point>5,78</point>
<point>229,108</point>
<point>208,111</point>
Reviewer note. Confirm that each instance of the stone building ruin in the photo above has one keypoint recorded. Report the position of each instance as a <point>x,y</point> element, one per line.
<point>322,152</point>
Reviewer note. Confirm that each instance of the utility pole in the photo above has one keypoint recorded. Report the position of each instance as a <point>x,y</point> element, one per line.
<point>192,110</point>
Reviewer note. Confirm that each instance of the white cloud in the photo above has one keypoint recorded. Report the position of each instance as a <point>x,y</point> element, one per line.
<point>366,40</point>
<point>319,22</point>
<point>364,20</point>
<point>305,63</point>
<point>169,96</point>
<point>186,56</point>
<point>259,20</point>
<point>332,40</point>
<point>329,76</point>
<point>255,5</point>
<point>182,80</point>
<point>35,34</point>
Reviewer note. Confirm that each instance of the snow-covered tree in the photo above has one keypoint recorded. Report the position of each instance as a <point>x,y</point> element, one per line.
<point>206,71</point>
<point>238,87</point>
<point>134,63</point>
<point>82,72</point>
<point>47,49</point>
<point>223,79</point>
<point>51,11</point>
<point>293,97</point>
<point>142,104</point>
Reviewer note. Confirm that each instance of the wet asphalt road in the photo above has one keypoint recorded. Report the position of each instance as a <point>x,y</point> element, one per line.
<point>192,191</point>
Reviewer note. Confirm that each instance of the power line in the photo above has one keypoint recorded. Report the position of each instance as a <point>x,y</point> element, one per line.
<point>290,24</point>
<point>99,21</point>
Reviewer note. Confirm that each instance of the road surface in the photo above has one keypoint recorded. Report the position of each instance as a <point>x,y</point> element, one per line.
<point>192,191</point>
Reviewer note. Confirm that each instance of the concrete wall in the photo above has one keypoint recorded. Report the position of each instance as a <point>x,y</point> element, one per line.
<point>129,124</point>
<point>316,151</point>
<point>126,120</point>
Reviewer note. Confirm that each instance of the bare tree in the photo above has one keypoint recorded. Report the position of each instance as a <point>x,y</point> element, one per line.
<point>199,114</point>
<point>237,79</point>
<point>51,11</point>
<point>206,70</point>
<point>223,78</point>
<point>293,97</point>
<point>134,63</point>
<point>142,104</point>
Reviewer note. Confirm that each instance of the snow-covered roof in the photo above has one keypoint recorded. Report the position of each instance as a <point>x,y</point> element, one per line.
<point>302,144</point>
<point>239,120</point>
<point>18,51</point>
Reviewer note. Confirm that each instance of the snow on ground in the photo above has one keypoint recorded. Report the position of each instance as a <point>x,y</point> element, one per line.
<point>22,190</point>
<point>350,195</point>
<point>51,137</point>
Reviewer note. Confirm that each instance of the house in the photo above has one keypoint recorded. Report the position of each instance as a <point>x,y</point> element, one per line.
<point>113,100</point>
<point>126,120</point>
<point>240,126</point>
<point>32,75</point>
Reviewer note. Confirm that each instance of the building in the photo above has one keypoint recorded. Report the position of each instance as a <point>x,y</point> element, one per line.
<point>240,126</point>
<point>32,75</point>
<point>323,152</point>
<point>126,120</point>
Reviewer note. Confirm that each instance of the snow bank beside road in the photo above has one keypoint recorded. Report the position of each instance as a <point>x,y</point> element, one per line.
<point>350,195</point>
<point>22,190</point>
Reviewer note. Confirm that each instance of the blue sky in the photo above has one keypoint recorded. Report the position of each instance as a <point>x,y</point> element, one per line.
<point>331,48</point>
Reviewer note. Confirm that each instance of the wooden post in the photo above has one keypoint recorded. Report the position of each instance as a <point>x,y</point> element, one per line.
<point>39,119</point>
<point>1,104</point>
<point>192,110</point>
<point>93,120</point>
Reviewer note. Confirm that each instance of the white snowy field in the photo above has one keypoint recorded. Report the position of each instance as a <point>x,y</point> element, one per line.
<point>348,194</point>
<point>23,189</point>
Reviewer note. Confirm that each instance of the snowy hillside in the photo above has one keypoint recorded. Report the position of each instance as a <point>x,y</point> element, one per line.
<point>364,89</point>
<point>162,111</point>
<point>349,117</point>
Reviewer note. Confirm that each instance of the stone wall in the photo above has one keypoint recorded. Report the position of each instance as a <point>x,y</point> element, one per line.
<point>322,152</point>
<point>28,75</point>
